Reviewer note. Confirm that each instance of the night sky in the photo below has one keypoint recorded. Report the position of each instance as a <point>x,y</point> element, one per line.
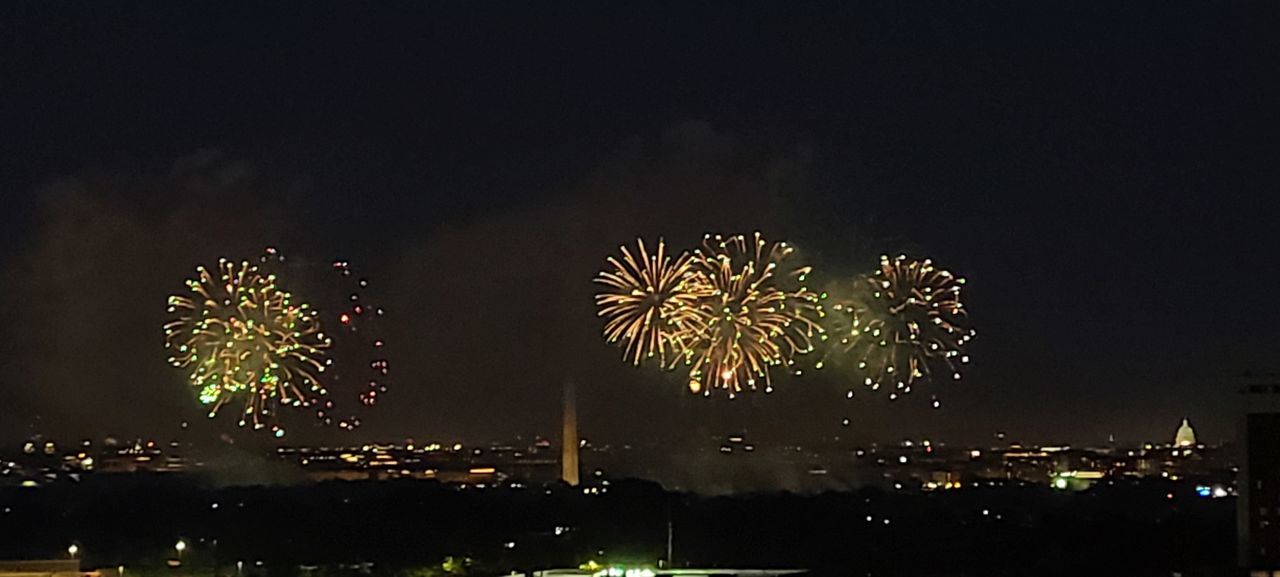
<point>1103,176</point>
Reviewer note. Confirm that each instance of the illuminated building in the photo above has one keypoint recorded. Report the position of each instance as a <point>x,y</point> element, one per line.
<point>1076,480</point>
<point>498,464</point>
<point>50,568</point>
<point>1186,436</point>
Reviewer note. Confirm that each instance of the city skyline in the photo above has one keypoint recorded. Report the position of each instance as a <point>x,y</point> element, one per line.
<point>723,464</point>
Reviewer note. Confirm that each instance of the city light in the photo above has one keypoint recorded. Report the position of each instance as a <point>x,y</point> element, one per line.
<point>625,572</point>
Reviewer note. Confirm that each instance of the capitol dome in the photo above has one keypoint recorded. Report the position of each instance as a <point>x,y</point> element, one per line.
<point>1186,436</point>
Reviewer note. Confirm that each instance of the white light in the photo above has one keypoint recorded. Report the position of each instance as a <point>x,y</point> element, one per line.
<point>180,546</point>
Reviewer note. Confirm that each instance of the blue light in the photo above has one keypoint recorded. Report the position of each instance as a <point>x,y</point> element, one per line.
<point>1204,490</point>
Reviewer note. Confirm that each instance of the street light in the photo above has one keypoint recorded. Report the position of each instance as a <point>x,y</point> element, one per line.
<point>180,546</point>
<point>72,550</point>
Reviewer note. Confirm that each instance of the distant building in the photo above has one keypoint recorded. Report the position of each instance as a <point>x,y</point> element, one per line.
<point>664,572</point>
<point>1186,436</point>
<point>50,568</point>
<point>1258,505</point>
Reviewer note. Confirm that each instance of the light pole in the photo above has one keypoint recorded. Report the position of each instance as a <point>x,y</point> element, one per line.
<point>180,546</point>
<point>73,550</point>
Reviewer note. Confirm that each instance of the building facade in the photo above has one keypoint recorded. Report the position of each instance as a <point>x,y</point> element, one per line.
<point>1258,505</point>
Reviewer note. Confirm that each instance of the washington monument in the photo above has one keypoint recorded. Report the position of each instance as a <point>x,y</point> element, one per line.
<point>569,437</point>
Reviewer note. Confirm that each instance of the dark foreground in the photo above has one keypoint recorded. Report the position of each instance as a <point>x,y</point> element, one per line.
<point>410,529</point>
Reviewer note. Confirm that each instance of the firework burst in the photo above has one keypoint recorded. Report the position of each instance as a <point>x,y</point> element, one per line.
<point>902,325</point>
<point>360,341</point>
<point>756,315</point>
<point>244,340</point>
<point>649,303</point>
<point>241,337</point>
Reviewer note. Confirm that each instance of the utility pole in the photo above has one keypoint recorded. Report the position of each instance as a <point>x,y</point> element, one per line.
<point>670,531</point>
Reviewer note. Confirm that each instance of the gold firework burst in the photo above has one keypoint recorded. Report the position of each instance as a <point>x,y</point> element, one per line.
<point>757,315</point>
<point>649,303</point>
<point>903,324</point>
